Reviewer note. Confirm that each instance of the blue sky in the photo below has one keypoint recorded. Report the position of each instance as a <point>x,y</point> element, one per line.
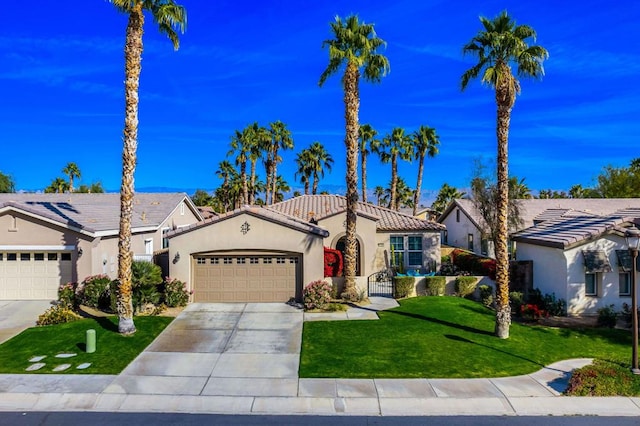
<point>244,61</point>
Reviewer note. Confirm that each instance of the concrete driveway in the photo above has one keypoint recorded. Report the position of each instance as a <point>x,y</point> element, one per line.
<point>18,315</point>
<point>231,349</point>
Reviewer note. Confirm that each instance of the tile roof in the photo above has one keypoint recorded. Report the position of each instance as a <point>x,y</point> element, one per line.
<point>94,213</point>
<point>319,207</point>
<point>569,232</point>
<point>257,211</point>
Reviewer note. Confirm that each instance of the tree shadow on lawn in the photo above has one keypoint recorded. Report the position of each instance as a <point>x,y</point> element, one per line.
<point>443,322</point>
<point>465,340</point>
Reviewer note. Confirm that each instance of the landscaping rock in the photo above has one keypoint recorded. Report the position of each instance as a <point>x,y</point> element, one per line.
<point>36,366</point>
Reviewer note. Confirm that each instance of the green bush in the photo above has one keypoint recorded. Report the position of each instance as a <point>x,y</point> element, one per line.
<point>67,295</point>
<point>607,316</point>
<point>516,300</point>
<point>175,293</point>
<point>465,286</point>
<point>603,378</point>
<point>435,285</point>
<point>94,291</point>
<point>57,314</point>
<point>548,302</point>
<point>402,287</point>
<point>317,295</point>
<point>445,259</point>
<point>145,274</point>
<point>486,295</point>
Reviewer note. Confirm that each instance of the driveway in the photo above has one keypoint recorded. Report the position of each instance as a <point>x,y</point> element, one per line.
<point>231,349</point>
<point>18,315</point>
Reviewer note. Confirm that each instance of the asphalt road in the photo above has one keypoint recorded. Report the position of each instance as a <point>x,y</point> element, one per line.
<point>146,419</point>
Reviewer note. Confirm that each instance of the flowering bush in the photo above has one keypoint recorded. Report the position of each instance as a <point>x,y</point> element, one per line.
<point>332,262</point>
<point>57,314</point>
<point>531,312</point>
<point>473,264</point>
<point>317,295</point>
<point>67,295</point>
<point>94,291</point>
<point>176,293</point>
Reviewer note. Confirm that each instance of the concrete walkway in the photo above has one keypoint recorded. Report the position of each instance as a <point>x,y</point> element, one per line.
<point>243,359</point>
<point>18,315</point>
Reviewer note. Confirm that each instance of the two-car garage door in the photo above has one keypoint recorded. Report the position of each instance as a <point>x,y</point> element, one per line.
<point>251,277</point>
<point>33,275</point>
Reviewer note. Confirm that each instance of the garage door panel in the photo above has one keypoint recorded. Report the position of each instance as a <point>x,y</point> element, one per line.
<point>33,275</point>
<point>250,278</point>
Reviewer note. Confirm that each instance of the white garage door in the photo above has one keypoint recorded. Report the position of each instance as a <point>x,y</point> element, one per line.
<point>33,275</point>
<point>246,278</point>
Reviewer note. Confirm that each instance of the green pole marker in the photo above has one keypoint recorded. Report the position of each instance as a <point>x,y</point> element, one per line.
<point>91,341</point>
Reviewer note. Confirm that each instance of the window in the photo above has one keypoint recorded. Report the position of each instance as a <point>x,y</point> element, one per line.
<point>254,260</point>
<point>591,283</point>
<point>625,284</point>
<point>165,240</point>
<point>214,261</point>
<point>12,256</point>
<point>227,260</point>
<point>201,260</point>
<point>266,261</point>
<point>293,260</point>
<point>397,250</point>
<point>52,257</point>
<point>415,250</point>
<point>457,215</point>
<point>38,257</point>
<point>241,260</point>
<point>25,257</point>
<point>181,209</point>
<point>65,257</point>
<point>280,260</point>
<point>1,256</point>
<point>445,237</point>
<point>470,242</point>
<point>484,246</point>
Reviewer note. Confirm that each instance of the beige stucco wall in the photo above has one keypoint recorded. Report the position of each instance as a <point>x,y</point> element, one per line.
<point>263,235</point>
<point>365,232</point>
<point>430,250</point>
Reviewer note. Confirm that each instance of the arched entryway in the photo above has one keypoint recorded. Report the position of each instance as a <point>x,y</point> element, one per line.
<point>340,245</point>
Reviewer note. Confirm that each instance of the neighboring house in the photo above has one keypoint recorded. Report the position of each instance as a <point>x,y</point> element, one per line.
<point>51,239</point>
<point>464,224</point>
<point>584,260</point>
<point>270,253</point>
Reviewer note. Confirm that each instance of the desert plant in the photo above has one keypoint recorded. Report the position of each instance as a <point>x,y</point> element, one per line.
<point>175,293</point>
<point>516,299</point>
<point>465,286</point>
<point>67,295</point>
<point>94,291</point>
<point>486,295</point>
<point>435,285</point>
<point>145,273</point>
<point>58,314</point>
<point>317,295</point>
<point>402,287</point>
<point>607,316</point>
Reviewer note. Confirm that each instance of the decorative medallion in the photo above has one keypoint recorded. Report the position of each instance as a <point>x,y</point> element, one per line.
<point>245,228</point>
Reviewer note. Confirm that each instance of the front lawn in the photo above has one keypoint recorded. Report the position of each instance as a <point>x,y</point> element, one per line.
<point>445,337</point>
<point>113,351</point>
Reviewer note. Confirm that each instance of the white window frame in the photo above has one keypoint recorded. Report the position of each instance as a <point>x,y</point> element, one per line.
<point>404,253</point>
<point>627,281</point>
<point>597,278</point>
<point>165,240</point>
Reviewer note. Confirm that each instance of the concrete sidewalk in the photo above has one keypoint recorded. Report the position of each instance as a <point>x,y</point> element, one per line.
<point>243,359</point>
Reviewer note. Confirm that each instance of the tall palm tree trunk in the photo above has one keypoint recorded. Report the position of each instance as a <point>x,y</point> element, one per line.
<point>416,195</point>
<point>503,311</point>
<point>314,188</point>
<point>252,185</point>
<point>352,105</point>
<point>245,186</point>
<point>133,61</point>
<point>394,181</point>
<point>363,167</point>
<point>274,175</point>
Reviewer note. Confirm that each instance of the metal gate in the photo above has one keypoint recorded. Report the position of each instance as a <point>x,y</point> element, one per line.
<point>380,284</point>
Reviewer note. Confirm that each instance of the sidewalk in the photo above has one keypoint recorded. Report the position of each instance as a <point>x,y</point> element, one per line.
<point>254,371</point>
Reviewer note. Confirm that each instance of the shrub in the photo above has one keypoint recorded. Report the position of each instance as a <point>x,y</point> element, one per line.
<point>94,291</point>
<point>465,286</point>
<point>336,307</point>
<point>435,286</point>
<point>530,311</point>
<point>57,314</point>
<point>445,259</point>
<point>145,274</point>
<point>516,300</point>
<point>145,295</point>
<point>603,378</point>
<point>625,314</point>
<point>333,262</point>
<point>486,295</point>
<point>67,295</point>
<point>317,295</point>
<point>607,316</point>
<point>402,287</point>
<point>548,302</point>
<point>473,264</point>
<point>175,293</point>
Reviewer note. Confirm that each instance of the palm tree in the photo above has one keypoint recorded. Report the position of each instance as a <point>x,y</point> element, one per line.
<point>258,139</point>
<point>226,172</point>
<point>280,140</point>
<point>58,185</point>
<point>498,45</point>
<point>378,191</point>
<point>355,46</point>
<point>241,148</point>
<point>446,194</point>
<point>304,172</point>
<point>404,194</point>
<point>170,17</point>
<point>394,145</point>
<point>71,170</point>
<point>281,187</point>
<point>425,143</point>
<point>321,160</point>
<point>366,135</point>
<point>518,189</point>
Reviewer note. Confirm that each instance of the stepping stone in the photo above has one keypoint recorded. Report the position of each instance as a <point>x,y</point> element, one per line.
<point>37,358</point>
<point>83,366</point>
<point>65,355</point>
<point>61,367</point>
<point>36,366</point>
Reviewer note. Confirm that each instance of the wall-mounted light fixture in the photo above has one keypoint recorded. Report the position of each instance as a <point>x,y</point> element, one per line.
<point>176,258</point>
<point>79,251</point>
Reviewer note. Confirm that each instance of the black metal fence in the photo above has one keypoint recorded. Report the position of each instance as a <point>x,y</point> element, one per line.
<point>380,284</point>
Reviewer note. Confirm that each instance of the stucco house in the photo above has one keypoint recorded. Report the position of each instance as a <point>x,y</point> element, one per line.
<point>584,260</point>
<point>51,239</point>
<point>270,253</point>
<point>464,224</point>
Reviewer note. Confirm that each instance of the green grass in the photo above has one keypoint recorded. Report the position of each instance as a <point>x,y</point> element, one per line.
<point>445,337</point>
<point>113,351</point>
